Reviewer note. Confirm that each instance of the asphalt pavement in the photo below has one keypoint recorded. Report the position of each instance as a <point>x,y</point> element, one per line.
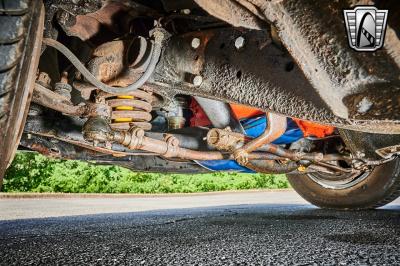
<point>251,228</point>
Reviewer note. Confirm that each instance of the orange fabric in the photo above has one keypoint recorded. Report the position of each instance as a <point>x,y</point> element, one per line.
<point>243,111</point>
<point>314,129</point>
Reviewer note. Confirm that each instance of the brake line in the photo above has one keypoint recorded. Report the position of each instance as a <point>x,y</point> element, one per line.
<point>155,56</point>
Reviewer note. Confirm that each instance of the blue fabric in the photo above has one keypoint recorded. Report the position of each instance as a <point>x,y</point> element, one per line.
<point>225,165</point>
<point>254,127</point>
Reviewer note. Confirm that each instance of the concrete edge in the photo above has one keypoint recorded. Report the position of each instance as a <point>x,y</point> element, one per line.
<point>29,195</point>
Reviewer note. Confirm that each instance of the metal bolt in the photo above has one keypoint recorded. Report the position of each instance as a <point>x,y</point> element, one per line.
<point>364,105</point>
<point>195,80</point>
<point>186,11</point>
<point>196,43</point>
<point>44,79</point>
<point>239,42</point>
<point>64,77</point>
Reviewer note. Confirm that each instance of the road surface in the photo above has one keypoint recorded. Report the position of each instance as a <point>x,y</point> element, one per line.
<point>256,228</point>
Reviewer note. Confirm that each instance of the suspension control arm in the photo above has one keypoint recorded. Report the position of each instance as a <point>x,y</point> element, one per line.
<point>60,103</point>
<point>55,101</point>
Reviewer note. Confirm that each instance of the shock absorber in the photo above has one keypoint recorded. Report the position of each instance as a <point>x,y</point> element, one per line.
<point>130,110</point>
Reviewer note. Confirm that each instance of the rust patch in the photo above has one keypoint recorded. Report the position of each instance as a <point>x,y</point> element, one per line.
<point>42,149</point>
<point>239,13</point>
<point>112,18</point>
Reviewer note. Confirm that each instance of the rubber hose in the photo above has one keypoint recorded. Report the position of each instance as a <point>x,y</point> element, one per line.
<point>155,56</point>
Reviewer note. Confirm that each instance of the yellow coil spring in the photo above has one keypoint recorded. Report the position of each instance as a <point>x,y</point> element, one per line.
<point>124,108</point>
<point>131,110</point>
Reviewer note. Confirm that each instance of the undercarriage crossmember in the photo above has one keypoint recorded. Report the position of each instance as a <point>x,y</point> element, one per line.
<point>148,79</point>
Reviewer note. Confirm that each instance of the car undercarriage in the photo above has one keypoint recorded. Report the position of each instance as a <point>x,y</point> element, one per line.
<point>226,85</point>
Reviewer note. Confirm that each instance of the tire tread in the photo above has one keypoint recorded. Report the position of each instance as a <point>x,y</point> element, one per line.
<point>14,20</point>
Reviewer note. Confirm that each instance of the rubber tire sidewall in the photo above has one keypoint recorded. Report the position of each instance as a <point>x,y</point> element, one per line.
<point>374,191</point>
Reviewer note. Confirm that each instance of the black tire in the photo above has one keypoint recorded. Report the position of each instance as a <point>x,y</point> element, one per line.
<point>378,188</point>
<point>21,29</point>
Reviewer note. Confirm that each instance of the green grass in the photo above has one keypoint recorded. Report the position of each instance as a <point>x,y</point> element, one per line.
<point>31,172</point>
